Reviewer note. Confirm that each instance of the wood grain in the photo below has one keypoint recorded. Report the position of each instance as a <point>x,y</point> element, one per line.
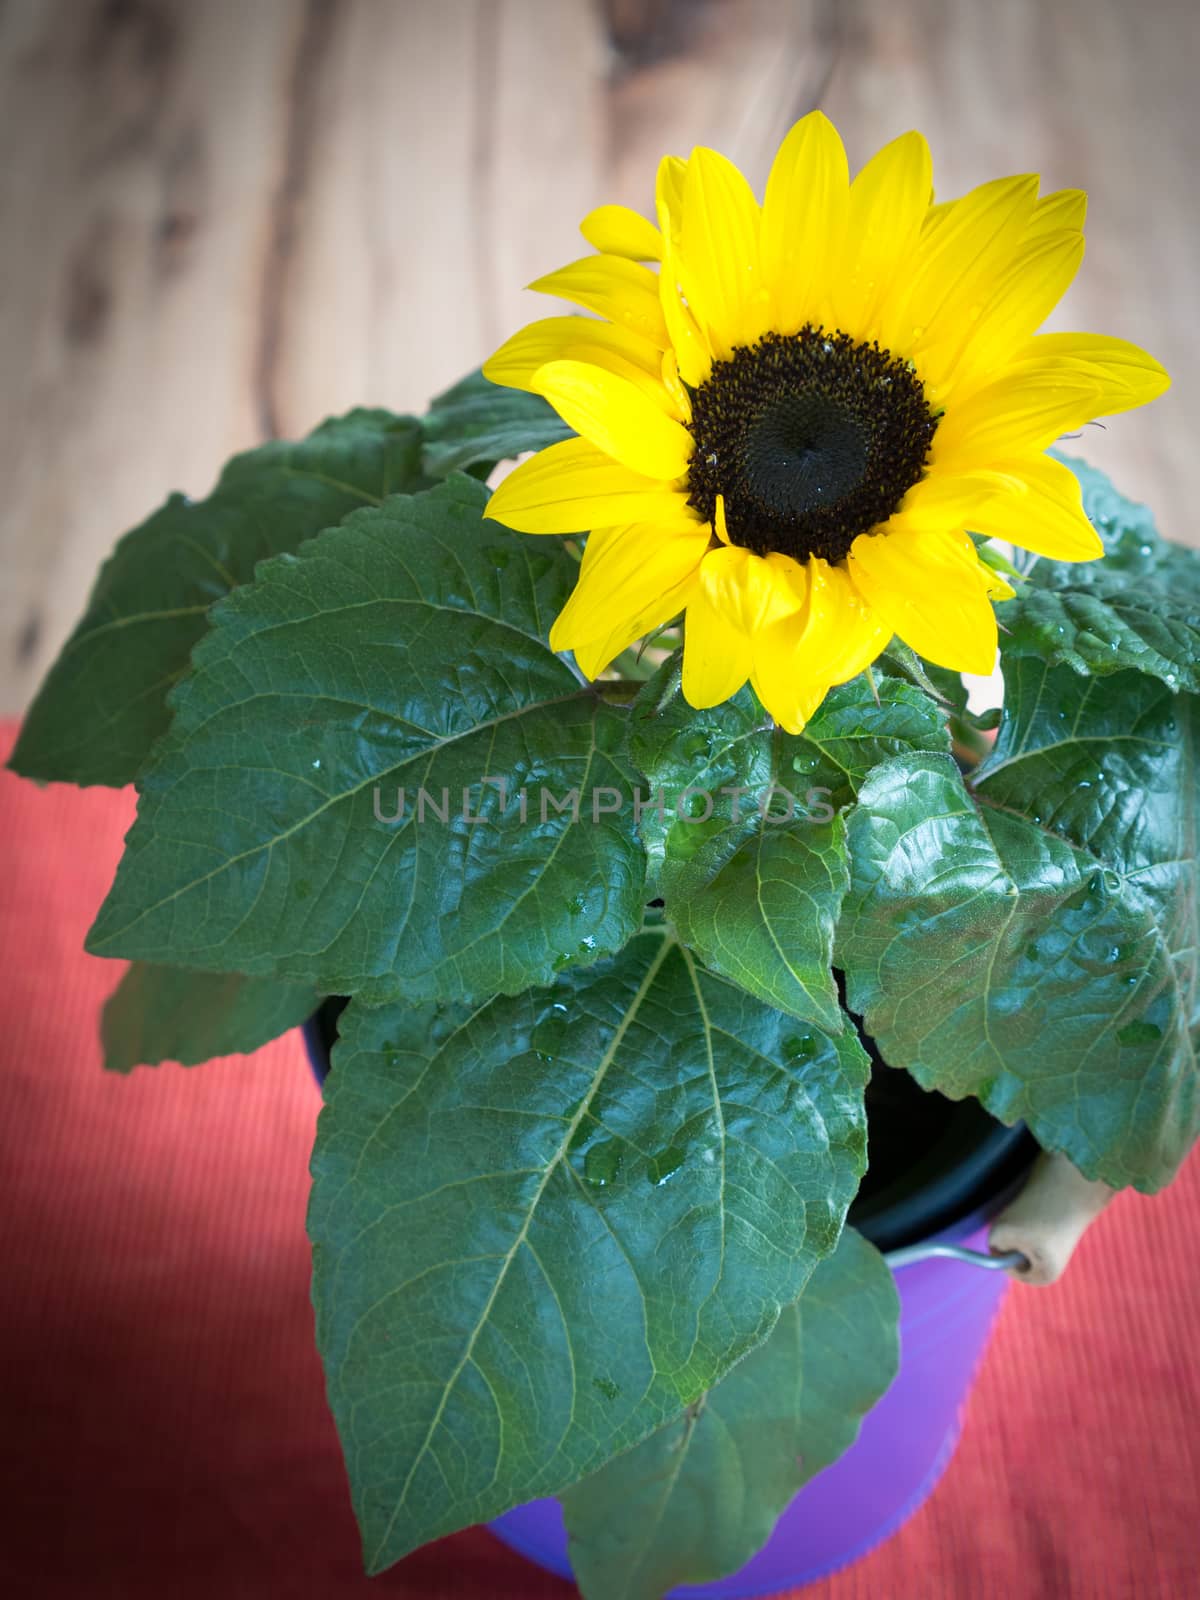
<point>224,220</point>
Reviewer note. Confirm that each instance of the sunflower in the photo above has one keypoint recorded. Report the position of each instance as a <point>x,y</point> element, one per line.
<point>792,416</point>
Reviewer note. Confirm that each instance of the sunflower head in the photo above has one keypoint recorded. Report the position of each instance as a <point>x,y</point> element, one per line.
<point>793,416</point>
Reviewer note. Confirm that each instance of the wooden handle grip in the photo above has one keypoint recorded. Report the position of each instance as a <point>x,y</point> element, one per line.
<point>1048,1218</point>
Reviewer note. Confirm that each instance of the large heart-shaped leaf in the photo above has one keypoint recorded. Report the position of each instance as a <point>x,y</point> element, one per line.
<point>105,700</point>
<point>749,851</point>
<point>403,651</point>
<point>543,1228</point>
<point>1137,608</point>
<point>698,1498</point>
<point>174,1014</point>
<point>1035,944</point>
<point>476,424</point>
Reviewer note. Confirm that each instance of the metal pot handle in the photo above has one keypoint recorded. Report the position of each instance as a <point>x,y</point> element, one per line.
<point>1035,1235</point>
<point>1012,1260</point>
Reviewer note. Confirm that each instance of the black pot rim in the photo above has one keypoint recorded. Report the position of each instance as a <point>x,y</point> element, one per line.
<point>976,1159</point>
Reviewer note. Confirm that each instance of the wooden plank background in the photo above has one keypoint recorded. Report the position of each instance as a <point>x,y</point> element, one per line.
<point>225,219</point>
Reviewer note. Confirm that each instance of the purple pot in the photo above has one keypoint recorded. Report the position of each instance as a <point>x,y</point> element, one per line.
<point>946,1312</point>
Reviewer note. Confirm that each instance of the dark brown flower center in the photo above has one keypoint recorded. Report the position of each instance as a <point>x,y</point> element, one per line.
<point>811,437</point>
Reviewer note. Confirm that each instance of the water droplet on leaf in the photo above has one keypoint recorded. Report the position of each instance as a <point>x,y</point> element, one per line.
<point>602,1163</point>
<point>1139,1033</point>
<point>665,1165</point>
<point>800,1047</point>
<point>548,1034</point>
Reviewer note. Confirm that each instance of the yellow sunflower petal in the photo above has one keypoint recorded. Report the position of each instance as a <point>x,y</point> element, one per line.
<point>717,255</point>
<point>618,231</point>
<point>1065,208</point>
<point>1126,375</point>
<point>690,345</point>
<point>675,386</point>
<point>572,487</point>
<point>1045,516</point>
<point>956,265</point>
<point>935,216</point>
<point>688,342</point>
<point>1021,300</point>
<point>842,634</point>
<point>668,194</point>
<point>947,500</point>
<point>929,588</point>
<point>616,417</point>
<point>720,526</point>
<point>624,576</point>
<point>803,219</point>
<point>888,201</point>
<point>833,639</point>
<point>598,654</point>
<point>789,703</point>
<point>1022,411</point>
<point>716,653</point>
<point>603,344</point>
<point>620,290</point>
<point>738,595</point>
<point>752,590</point>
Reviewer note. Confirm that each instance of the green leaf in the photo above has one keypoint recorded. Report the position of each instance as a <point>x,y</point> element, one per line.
<point>172,1014</point>
<point>901,659</point>
<point>754,878</point>
<point>104,702</point>
<point>476,424</point>
<point>1038,948</point>
<point>1137,608</point>
<point>542,1229</point>
<point>698,1498</point>
<point>404,650</point>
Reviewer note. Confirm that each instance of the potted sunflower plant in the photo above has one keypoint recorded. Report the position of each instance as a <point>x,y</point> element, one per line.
<point>625,840</point>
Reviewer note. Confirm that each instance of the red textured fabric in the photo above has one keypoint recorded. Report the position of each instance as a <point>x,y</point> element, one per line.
<point>165,1431</point>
